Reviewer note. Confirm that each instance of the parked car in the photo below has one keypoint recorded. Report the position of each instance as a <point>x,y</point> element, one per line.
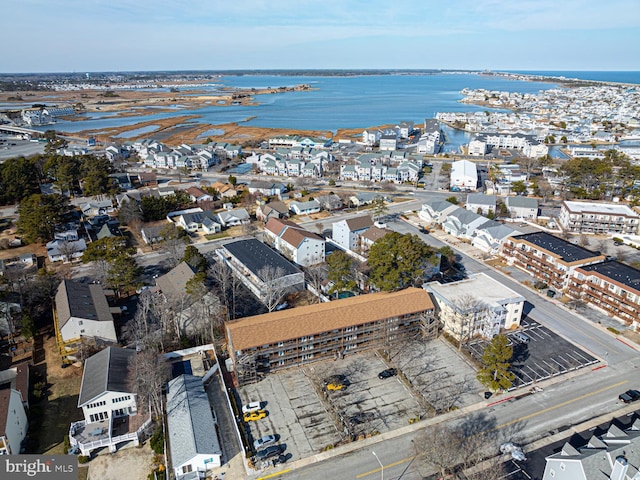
<point>629,396</point>
<point>251,407</point>
<point>515,451</point>
<point>253,416</point>
<point>269,452</point>
<point>388,373</point>
<point>336,382</point>
<point>264,441</point>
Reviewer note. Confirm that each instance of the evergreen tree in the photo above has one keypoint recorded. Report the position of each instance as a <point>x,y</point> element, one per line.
<point>495,373</point>
<point>340,272</point>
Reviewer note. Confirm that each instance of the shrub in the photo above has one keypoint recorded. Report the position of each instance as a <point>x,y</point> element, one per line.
<point>157,441</point>
<point>613,330</point>
<point>83,458</point>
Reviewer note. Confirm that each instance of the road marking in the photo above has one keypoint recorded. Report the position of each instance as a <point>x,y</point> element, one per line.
<point>271,475</point>
<point>563,404</point>
<point>377,470</point>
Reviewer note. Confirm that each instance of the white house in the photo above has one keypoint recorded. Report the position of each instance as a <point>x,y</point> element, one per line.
<point>294,242</point>
<point>477,306</point>
<point>108,402</point>
<point>193,437</point>
<point>522,208</point>
<point>13,417</point>
<point>464,176</point>
<point>346,233</point>
<point>231,218</point>
<point>59,250</point>
<point>436,211</point>
<point>481,203</point>
<point>82,310</point>
<point>371,137</point>
<point>304,208</point>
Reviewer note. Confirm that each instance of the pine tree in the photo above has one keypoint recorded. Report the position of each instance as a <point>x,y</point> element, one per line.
<point>495,373</point>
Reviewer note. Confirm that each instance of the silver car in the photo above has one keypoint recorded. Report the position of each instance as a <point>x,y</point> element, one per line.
<point>264,441</point>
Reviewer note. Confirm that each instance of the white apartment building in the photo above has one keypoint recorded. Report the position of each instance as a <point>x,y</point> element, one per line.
<point>477,306</point>
<point>602,218</point>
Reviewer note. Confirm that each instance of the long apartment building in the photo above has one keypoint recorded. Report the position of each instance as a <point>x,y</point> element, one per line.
<point>603,218</point>
<point>547,258</point>
<point>301,335</point>
<point>611,286</point>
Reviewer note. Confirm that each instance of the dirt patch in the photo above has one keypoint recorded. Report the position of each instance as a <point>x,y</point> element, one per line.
<point>129,462</point>
<point>51,416</point>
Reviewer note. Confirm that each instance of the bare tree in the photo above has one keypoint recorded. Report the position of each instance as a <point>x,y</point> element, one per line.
<point>439,448</point>
<point>228,285</point>
<point>149,374</point>
<point>470,311</point>
<point>173,243</point>
<point>315,276</point>
<point>274,289</point>
<point>68,250</point>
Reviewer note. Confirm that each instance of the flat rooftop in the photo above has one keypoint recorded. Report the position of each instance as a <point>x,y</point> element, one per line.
<point>565,250</point>
<point>600,208</point>
<point>479,285</point>
<point>617,271</point>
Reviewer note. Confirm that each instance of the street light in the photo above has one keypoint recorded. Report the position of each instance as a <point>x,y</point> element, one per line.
<point>381,466</point>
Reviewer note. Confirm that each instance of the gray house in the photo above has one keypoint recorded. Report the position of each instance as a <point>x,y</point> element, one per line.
<point>193,439</point>
<point>612,456</point>
<point>481,203</point>
<point>522,208</point>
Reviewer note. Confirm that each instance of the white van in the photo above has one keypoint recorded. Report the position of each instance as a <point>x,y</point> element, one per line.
<point>521,337</point>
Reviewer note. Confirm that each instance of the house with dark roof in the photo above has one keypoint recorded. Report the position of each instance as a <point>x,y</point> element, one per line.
<point>294,242</point>
<point>547,258</point>
<point>152,234</point>
<point>192,432</point>
<point>346,233</point>
<point>82,311</point>
<point>610,286</point>
<point>272,210</point>
<point>14,398</point>
<point>173,284</point>
<point>260,268</point>
<point>206,221</point>
<point>108,402</point>
<point>305,334</point>
<point>615,455</point>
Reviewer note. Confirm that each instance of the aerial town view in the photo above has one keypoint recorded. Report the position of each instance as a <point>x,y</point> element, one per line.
<point>320,240</point>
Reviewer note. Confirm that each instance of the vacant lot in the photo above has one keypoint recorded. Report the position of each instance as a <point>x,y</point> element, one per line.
<point>51,415</point>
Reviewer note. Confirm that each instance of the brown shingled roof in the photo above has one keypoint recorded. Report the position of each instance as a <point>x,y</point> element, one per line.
<point>313,319</point>
<point>295,236</point>
<point>374,233</point>
<point>359,223</point>
<point>276,225</point>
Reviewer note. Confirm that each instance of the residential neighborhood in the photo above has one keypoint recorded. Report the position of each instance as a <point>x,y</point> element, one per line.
<point>275,307</point>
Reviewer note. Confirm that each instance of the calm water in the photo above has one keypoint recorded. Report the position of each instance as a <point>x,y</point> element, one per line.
<point>335,102</point>
<point>344,102</point>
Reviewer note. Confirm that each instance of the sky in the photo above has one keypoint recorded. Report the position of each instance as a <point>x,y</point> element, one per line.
<point>140,35</point>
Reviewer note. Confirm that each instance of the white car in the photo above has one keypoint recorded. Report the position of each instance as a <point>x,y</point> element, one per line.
<point>251,407</point>
<point>515,451</point>
<point>264,441</point>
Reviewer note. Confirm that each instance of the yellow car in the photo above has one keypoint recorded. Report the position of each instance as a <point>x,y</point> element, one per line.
<point>255,415</point>
<point>336,382</point>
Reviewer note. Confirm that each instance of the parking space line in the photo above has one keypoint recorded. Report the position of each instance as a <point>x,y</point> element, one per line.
<point>560,405</point>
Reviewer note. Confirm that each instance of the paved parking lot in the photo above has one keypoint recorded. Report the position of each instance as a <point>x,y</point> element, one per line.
<point>307,419</point>
<point>369,404</point>
<point>296,414</point>
<point>545,355</point>
<point>438,373</point>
